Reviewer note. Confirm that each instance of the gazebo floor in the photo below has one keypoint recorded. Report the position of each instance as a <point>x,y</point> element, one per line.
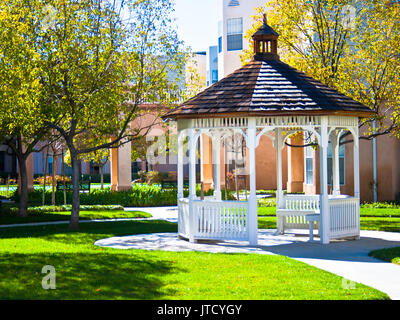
<point>171,242</point>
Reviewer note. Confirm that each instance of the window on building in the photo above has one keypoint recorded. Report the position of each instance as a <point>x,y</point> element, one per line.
<point>214,76</point>
<point>50,165</point>
<point>233,3</point>
<point>220,36</point>
<point>341,164</point>
<point>309,165</point>
<point>234,34</point>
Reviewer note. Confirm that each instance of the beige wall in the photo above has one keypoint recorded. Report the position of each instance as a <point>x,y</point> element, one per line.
<point>266,165</point>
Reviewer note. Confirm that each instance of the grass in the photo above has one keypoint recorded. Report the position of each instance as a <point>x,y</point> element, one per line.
<point>38,216</point>
<point>366,223</point>
<point>388,254</point>
<point>379,219</point>
<point>85,271</point>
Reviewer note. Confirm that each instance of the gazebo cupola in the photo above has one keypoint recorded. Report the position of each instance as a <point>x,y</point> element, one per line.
<point>265,42</point>
<point>267,97</point>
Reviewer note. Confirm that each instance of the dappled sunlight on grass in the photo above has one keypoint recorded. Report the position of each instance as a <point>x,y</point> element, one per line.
<point>86,271</point>
<point>388,254</point>
<point>98,275</point>
<point>11,218</point>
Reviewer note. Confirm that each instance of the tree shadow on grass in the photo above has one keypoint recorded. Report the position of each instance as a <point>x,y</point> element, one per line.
<point>35,217</point>
<point>89,231</point>
<point>102,275</point>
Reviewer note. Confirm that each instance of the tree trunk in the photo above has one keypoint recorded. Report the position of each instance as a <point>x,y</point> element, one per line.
<point>45,177</point>
<point>101,166</point>
<point>63,178</point>
<point>74,221</point>
<point>53,180</point>
<point>23,188</point>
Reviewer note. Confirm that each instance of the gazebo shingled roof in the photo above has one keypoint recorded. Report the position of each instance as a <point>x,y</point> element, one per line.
<point>267,86</point>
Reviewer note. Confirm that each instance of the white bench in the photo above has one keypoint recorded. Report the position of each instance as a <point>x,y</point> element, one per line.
<point>295,212</point>
<point>312,219</point>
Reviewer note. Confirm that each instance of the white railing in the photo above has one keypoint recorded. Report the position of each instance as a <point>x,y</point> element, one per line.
<point>344,213</point>
<point>294,211</point>
<point>344,217</point>
<point>220,220</point>
<point>213,219</point>
<point>183,217</point>
<point>301,202</point>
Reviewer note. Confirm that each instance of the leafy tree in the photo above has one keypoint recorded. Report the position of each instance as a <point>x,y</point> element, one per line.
<point>351,45</point>
<point>84,68</point>
<point>99,67</point>
<point>21,113</point>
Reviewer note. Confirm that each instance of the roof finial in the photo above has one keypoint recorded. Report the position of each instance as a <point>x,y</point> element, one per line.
<point>265,20</point>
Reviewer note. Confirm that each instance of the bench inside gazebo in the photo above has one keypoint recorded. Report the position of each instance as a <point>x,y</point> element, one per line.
<point>268,97</point>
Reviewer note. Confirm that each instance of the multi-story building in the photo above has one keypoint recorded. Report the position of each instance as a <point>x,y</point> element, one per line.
<point>235,17</point>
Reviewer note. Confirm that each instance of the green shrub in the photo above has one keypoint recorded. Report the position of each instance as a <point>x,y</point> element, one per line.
<point>141,195</point>
<point>44,209</point>
<point>153,177</point>
<point>267,202</point>
<point>381,205</point>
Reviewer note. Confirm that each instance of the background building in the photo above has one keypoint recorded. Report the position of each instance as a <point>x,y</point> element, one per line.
<point>234,19</point>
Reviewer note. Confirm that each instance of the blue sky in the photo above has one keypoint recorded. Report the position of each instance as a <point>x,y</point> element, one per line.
<point>197,23</point>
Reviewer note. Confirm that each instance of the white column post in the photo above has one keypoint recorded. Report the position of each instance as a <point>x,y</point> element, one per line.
<point>278,149</point>
<point>180,164</point>
<point>324,202</point>
<point>192,164</point>
<point>334,138</point>
<point>278,145</point>
<point>252,214</point>
<point>356,157</point>
<point>216,156</point>
<point>192,183</point>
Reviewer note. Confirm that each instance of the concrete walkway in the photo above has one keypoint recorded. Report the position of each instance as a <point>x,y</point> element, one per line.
<point>348,259</point>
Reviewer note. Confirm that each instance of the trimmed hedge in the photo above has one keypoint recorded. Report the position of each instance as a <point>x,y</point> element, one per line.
<point>141,195</point>
<point>45,209</point>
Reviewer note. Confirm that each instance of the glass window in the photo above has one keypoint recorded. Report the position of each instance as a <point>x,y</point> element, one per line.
<point>234,34</point>
<point>233,3</point>
<point>220,32</point>
<point>214,77</point>
<point>309,156</point>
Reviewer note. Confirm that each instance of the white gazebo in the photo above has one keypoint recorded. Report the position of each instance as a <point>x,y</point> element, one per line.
<point>268,97</point>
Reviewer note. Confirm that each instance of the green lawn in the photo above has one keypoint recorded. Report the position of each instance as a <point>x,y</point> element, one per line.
<point>389,254</point>
<point>85,271</point>
<point>370,219</point>
<point>364,212</point>
<point>366,223</point>
<point>11,218</point>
